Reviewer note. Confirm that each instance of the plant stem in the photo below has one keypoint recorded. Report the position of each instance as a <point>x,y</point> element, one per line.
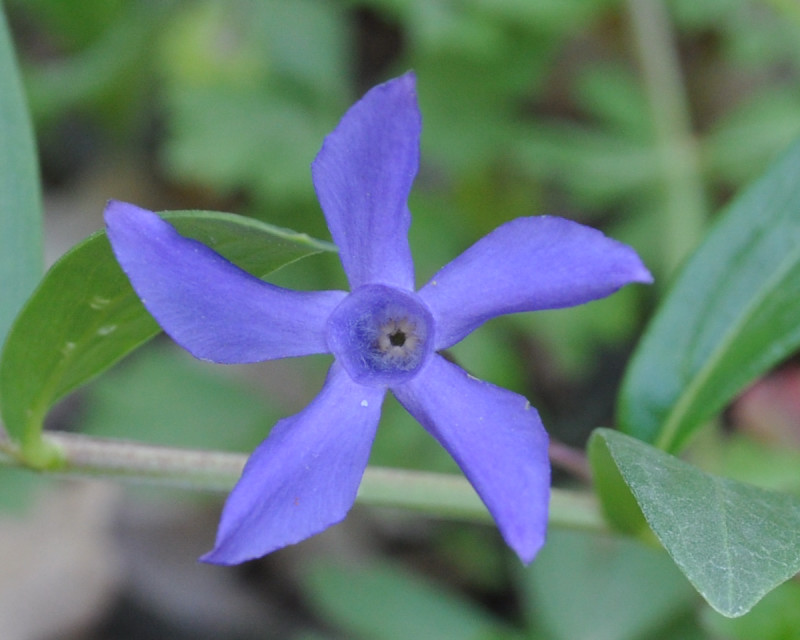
<point>686,205</point>
<point>436,494</point>
<point>570,459</point>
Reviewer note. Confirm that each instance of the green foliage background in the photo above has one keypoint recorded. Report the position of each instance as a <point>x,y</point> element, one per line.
<point>567,107</point>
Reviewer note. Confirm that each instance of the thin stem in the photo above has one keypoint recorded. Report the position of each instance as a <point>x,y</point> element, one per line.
<point>570,459</point>
<point>686,205</point>
<point>436,494</point>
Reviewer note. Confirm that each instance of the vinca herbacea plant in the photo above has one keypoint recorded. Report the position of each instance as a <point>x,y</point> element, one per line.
<point>678,511</point>
<point>383,335</point>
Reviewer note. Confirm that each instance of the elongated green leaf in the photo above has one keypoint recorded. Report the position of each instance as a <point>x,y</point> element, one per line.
<point>20,199</point>
<point>85,316</point>
<point>733,313</point>
<point>735,542</point>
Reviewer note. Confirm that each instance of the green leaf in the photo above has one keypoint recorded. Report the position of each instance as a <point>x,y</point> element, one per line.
<point>735,542</point>
<point>21,262</point>
<point>85,316</point>
<point>616,500</point>
<point>604,588</point>
<point>733,313</point>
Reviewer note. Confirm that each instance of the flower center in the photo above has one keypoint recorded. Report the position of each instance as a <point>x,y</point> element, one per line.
<point>381,335</point>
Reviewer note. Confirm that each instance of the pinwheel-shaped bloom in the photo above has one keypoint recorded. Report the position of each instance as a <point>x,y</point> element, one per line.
<point>383,335</point>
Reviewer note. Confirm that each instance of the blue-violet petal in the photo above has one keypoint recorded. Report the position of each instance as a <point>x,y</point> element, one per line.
<point>528,264</point>
<point>304,477</point>
<point>363,176</point>
<point>208,305</point>
<point>497,439</point>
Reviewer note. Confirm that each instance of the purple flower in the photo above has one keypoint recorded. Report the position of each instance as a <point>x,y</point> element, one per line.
<point>305,475</point>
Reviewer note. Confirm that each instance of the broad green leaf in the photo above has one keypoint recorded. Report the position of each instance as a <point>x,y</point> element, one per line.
<point>733,313</point>
<point>21,262</point>
<point>735,542</point>
<point>586,585</point>
<point>616,500</point>
<point>85,316</point>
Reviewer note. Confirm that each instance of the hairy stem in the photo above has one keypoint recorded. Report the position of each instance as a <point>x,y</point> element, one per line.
<point>570,459</point>
<point>436,494</point>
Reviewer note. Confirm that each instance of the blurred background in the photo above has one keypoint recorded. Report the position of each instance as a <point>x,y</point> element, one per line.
<point>641,118</point>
